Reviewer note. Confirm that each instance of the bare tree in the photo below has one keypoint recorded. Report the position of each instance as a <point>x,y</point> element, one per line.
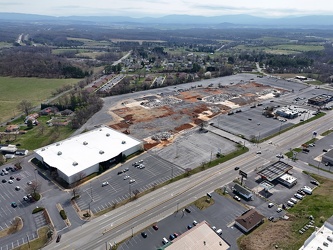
<point>41,128</point>
<point>34,187</point>
<point>25,106</point>
<point>76,191</point>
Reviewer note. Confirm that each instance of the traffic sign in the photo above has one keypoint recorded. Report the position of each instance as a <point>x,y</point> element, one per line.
<point>243,173</point>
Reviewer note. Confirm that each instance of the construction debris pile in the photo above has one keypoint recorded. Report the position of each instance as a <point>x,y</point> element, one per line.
<point>219,98</point>
<point>161,136</point>
<point>161,102</point>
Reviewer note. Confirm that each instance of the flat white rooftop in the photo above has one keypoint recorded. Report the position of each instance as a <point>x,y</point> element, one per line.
<point>317,238</point>
<point>288,178</point>
<point>75,154</point>
<point>200,236</point>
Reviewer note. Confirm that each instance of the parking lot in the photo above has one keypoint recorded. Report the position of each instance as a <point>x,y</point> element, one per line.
<point>315,153</point>
<point>9,194</point>
<point>156,171</point>
<point>194,147</point>
<point>253,125</point>
<point>221,215</point>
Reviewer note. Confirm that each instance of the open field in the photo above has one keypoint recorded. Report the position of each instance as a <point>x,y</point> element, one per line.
<point>284,233</point>
<point>35,90</point>
<point>298,48</point>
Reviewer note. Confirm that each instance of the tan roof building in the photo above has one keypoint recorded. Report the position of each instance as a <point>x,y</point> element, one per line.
<point>249,220</point>
<point>200,236</point>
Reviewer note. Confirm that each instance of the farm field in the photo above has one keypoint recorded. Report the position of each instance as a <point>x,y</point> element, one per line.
<point>35,90</point>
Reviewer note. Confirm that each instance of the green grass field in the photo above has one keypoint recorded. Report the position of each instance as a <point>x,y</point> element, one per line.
<point>35,90</point>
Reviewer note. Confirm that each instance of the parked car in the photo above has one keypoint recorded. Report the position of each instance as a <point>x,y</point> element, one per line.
<point>126,177</point>
<point>10,181</point>
<point>176,235</point>
<point>119,172</point>
<point>58,238</point>
<point>105,184</point>
<point>195,223</point>
<point>189,227</point>
<point>270,204</point>
<point>144,234</point>
<point>131,181</point>
<point>12,177</point>
<point>125,170</point>
<point>18,178</point>
<point>298,196</point>
<point>279,210</point>
<point>271,218</point>
<point>29,183</point>
<point>13,204</point>
<point>171,237</point>
<point>17,188</point>
<point>214,228</point>
<point>155,227</point>
<point>237,198</point>
<point>187,210</point>
<point>324,150</point>
<point>258,152</point>
<point>4,180</point>
<point>25,198</point>
<point>315,182</point>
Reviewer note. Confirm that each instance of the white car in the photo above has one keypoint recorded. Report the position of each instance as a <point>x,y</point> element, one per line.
<point>195,222</point>
<point>237,198</point>
<point>270,204</point>
<point>258,152</point>
<point>126,177</point>
<point>279,210</point>
<point>131,181</point>
<point>17,188</point>
<point>10,181</point>
<point>105,184</point>
<point>25,198</point>
<point>280,156</point>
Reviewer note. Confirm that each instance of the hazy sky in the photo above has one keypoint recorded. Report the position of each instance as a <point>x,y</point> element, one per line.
<point>156,8</point>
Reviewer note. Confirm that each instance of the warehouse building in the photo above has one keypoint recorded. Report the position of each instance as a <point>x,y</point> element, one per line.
<point>82,155</point>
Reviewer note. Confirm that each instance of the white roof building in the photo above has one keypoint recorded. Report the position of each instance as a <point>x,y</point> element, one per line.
<point>320,239</point>
<point>80,155</point>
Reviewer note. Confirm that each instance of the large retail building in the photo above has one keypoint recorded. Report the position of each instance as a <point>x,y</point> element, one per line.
<point>81,155</point>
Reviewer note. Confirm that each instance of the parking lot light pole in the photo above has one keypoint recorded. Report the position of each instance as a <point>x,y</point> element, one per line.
<point>36,175</point>
<point>132,232</point>
<point>28,241</point>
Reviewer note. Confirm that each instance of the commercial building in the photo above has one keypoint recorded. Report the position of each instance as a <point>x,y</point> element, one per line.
<point>320,100</point>
<point>249,220</point>
<point>242,191</point>
<point>321,238</point>
<point>201,236</point>
<point>82,155</point>
<point>287,113</point>
<point>287,180</point>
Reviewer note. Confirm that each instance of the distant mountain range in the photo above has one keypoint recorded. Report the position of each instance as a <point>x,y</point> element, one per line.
<point>315,21</point>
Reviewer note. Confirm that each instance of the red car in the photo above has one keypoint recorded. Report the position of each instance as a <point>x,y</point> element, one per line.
<point>155,227</point>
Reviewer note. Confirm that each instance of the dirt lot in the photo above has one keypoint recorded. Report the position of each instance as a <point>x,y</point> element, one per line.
<point>182,109</point>
<point>267,236</point>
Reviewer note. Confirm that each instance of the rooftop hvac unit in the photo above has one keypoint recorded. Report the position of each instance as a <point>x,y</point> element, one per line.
<point>59,153</point>
<point>123,142</point>
<point>85,143</point>
<point>107,134</point>
<point>75,163</point>
<point>329,238</point>
<point>43,149</point>
<point>101,152</point>
<point>58,144</point>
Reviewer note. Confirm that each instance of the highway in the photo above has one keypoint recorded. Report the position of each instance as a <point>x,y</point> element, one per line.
<point>118,224</point>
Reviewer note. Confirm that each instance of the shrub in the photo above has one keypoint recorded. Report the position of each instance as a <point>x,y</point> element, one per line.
<point>37,209</point>
<point>63,214</point>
